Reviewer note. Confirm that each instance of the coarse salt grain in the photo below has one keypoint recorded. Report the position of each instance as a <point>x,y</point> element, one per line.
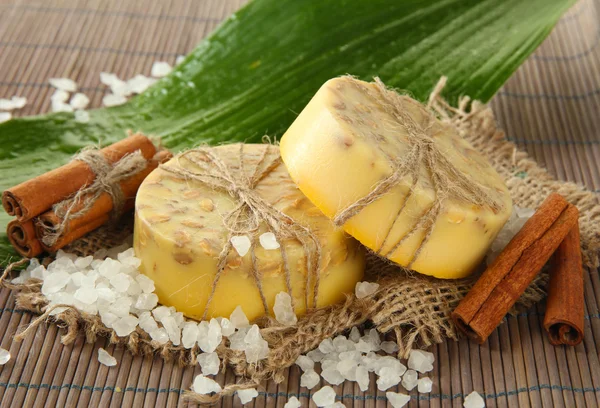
<point>160,69</point>
<point>293,402</point>
<point>247,395</point>
<point>4,356</point>
<point>364,289</point>
<point>268,241</point>
<point>241,243</point>
<point>205,385</point>
<point>474,400</point>
<point>113,100</point>
<point>284,312</point>
<point>64,84</point>
<point>105,358</point>
<point>424,385</point>
<point>324,397</point>
<point>398,400</point>
<point>209,362</point>
<point>79,101</point>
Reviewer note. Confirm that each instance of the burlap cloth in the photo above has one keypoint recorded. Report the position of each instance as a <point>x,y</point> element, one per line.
<point>415,308</point>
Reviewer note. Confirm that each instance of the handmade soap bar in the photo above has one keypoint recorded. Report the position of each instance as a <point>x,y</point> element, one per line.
<point>399,180</point>
<point>196,216</point>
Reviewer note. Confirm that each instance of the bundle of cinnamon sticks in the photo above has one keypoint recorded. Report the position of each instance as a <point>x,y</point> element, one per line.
<point>553,229</point>
<point>34,202</point>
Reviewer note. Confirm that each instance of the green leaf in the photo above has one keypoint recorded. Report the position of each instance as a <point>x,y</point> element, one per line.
<point>262,65</point>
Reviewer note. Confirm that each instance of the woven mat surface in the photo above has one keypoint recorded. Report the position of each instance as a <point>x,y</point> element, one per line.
<point>550,107</point>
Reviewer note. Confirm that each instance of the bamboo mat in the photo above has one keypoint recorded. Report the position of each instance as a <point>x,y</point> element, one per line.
<point>550,107</point>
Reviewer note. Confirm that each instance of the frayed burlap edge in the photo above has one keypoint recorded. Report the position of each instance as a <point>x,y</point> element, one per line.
<point>415,308</point>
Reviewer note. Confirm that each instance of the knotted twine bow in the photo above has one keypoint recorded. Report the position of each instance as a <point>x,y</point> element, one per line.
<point>447,181</point>
<point>108,180</point>
<point>250,212</point>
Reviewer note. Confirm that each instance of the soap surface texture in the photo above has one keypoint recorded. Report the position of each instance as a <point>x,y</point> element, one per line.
<point>226,226</point>
<point>395,177</point>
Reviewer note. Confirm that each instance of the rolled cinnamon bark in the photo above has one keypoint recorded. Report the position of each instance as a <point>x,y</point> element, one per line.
<point>564,308</point>
<point>104,204</point>
<point>23,238</point>
<point>77,233</point>
<point>33,197</point>
<point>501,285</point>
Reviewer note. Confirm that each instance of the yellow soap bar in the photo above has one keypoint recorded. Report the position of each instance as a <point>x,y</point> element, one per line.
<point>180,233</point>
<point>403,183</point>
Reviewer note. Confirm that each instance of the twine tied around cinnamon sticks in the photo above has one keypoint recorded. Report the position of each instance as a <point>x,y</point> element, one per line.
<point>447,181</point>
<point>250,213</point>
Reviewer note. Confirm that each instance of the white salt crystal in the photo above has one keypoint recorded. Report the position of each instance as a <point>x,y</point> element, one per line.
<point>205,385</point>
<point>146,284</point>
<point>86,295</point>
<point>82,116</point>
<point>241,243</point>
<point>350,355</point>
<point>18,102</point>
<point>391,363</point>
<point>140,83</point>
<point>113,100</point>
<point>388,377</point>
<point>309,379</point>
<point>238,318</point>
<point>325,396</point>
<point>107,294</point>
<point>179,59</point>
<point>189,335</point>
<point>79,101</point>
<point>105,358</point>
<point>389,347</point>
<point>348,369</point>
<point>210,363</point>
<point>256,347</point>
<point>55,282</point>
<point>268,241</point>
<point>305,363</point>
<point>108,318</point>
<point>117,86</point>
<point>227,328</point>
<point>315,355</point>
<point>342,344</point>
<point>284,312</point>
<point>61,107</point>
<point>424,385</point>
<point>160,69</point>
<point>329,364</point>
<point>293,402</point>
<point>179,319</point>
<point>364,347</point>
<point>6,104</point>
<point>247,395</point>
<point>109,268</point>
<point>372,337</point>
<point>326,346</point>
<point>135,290</point>
<point>128,257</point>
<point>146,301</point>
<point>58,310</point>
<point>336,404</point>
<point>5,116</point>
<point>120,282</point>
<point>60,96</point>
<point>354,334</point>
<point>172,329</point>
<point>147,322</point>
<point>159,335</point>
<point>362,378</point>
<point>83,262</point>
<point>64,84</point>
<point>89,280</point>
<point>108,78</point>
<point>4,356</point>
<point>236,340</point>
<point>125,325</point>
<point>474,400</point>
<point>421,361</point>
<point>409,380</point>
<point>121,306</point>
<point>39,272</point>
<point>209,336</point>
<point>364,289</point>
<point>332,376</point>
<point>397,399</point>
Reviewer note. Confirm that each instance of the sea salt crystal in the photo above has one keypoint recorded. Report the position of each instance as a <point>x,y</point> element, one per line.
<point>64,84</point>
<point>332,376</point>
<point>125,325</point>
<point>348,369</point>
<point>4,356</point>
<point>147,322</point>
<point>309,379</point>
<point>146,284</point>
<point>409,380</point>
<point>241,243</point>
<point>134,290</point>
<point>210,363</point>
<point>268,241</point>
<point>364,347</point>
<point>341,344</point>
<point>227,328</point>
<point>329,363</point>
<point>209,335</point>
<point>121,306</point>
<point>336,404</point>
<point>172,329</point>
<point>5,116</point>
<point>86,295</point>
<point>61,107</point>
<point>364,289</point>
<point>397,399</point>
<point>109,268</point>
<point>160,69</point>
<point>389,362</point>
<point>305,363</point>
<point>372,337</point>
<point>189,335</point>
<point>236,340</point>
<point>59,96</point>
<point>18,102</point>
<point>421,361</point>
<point>388,377</point>
<point>79,101</point>
<point>55,282</point>
<point>106,294</point>
<point>424,385</point>
<point>256,347</point>
<point>326,346</point>
<point>113,100</point>
<point>315,355</point>
<point>39,272</point>
<point>105,358</point>
<point>354,335</point>
<point>6,104</point>
<point>325,396</point>
<point>159,335</point>
<point>146,301</point>
<point>117,86</point>
<point>120,282</point>
<point>247,395</point>
<point>362,378</point>
<point>389,347</point>
<point>140,83</point>
<point>108,318</point>
<point>293,402</point>
<point>205,385</point>
<point>474,400</point>
<point>284,312</point>
<point>82,116</point>
<point>83,262</point>
<point>238,318</point>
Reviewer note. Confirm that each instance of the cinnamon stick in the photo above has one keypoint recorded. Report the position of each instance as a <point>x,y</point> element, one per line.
<point>37,195</point>
<point>104,204</point>
<point>23,238</point>
<point>564,308</point>
<point>501,285</point>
